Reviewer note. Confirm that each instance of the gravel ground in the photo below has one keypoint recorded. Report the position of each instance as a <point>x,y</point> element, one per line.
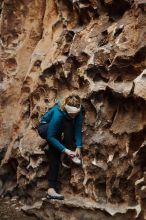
<point>11,210</point>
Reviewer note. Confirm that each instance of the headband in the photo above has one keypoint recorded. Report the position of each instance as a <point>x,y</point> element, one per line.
<point>72,109</point>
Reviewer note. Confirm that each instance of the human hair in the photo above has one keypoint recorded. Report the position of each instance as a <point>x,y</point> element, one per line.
<point>72,100</point>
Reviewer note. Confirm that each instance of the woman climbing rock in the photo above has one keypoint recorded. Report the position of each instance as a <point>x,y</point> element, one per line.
<point>61,126</point>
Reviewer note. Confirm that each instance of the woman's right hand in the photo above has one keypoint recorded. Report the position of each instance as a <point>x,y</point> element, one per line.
<point>70,153</point>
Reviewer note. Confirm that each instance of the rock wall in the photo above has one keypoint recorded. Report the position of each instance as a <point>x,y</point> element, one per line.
<point>97,49</point>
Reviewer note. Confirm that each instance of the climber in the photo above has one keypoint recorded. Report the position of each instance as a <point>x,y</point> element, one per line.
<point>61,126</point>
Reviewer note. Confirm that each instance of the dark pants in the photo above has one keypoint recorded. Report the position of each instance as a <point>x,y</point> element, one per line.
<point>54,154</point>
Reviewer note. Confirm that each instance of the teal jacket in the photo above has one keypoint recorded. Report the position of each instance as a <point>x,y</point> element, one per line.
<point>54,118</point>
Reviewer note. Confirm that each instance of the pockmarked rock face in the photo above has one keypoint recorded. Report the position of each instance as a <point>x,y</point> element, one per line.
<point>140,85</point>
<point>96,49</point>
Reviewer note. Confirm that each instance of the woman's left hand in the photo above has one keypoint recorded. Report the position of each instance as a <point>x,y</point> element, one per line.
<point>78,152</point>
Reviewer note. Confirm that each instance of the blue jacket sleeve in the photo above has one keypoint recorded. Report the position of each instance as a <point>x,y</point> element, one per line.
<point>46,117</point>
<point>53,128</point>
<point>78,130</point>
